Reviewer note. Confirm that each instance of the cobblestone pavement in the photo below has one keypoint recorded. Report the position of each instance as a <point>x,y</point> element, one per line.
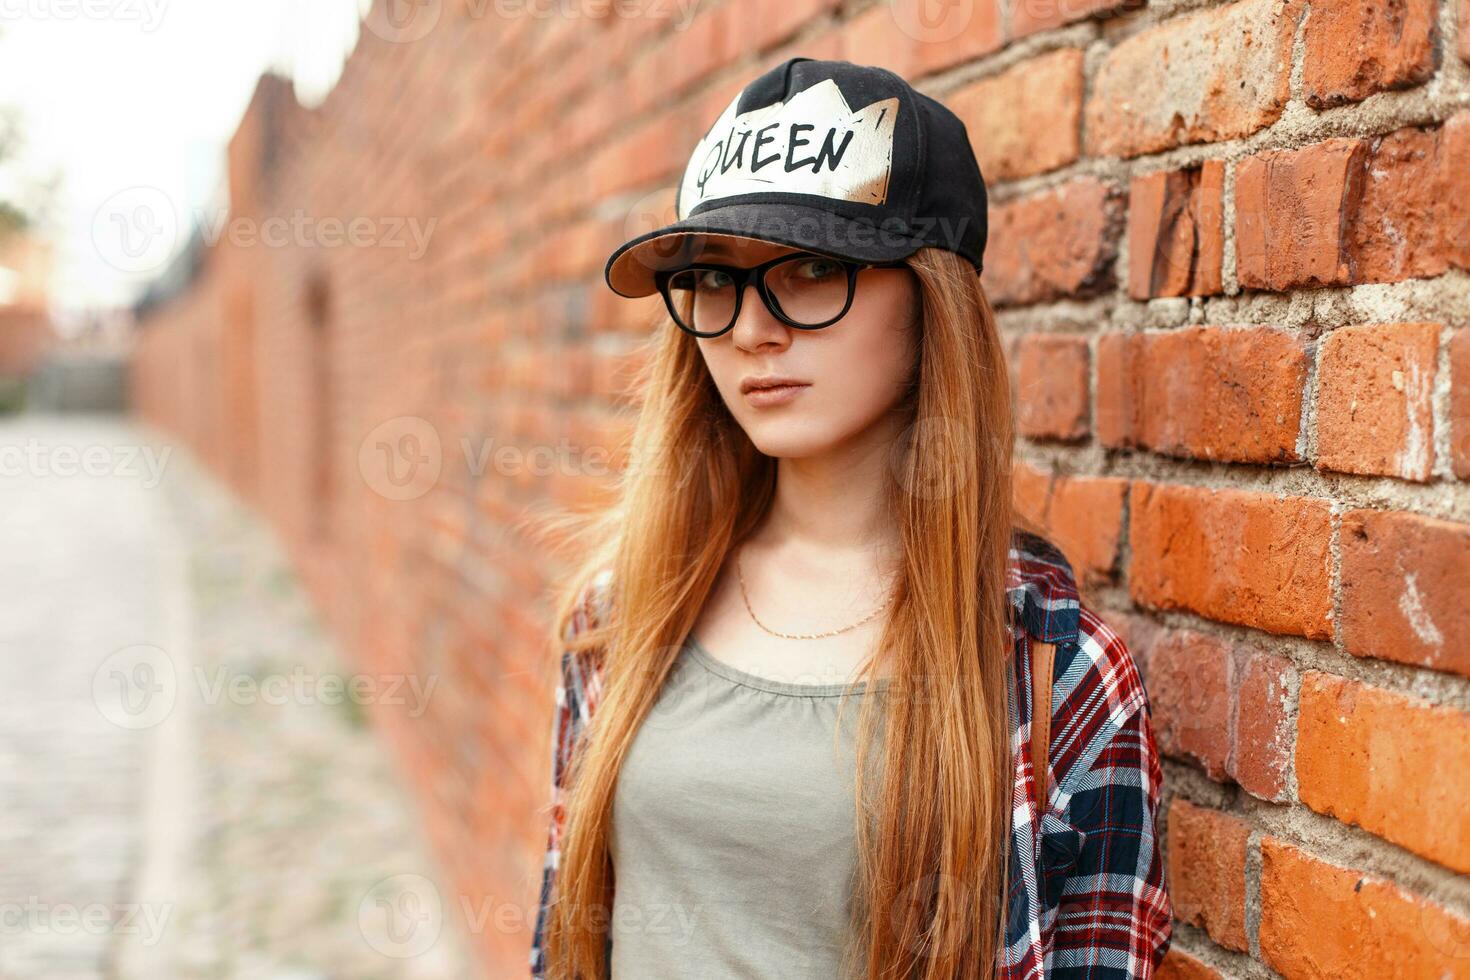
<point>187,792</point>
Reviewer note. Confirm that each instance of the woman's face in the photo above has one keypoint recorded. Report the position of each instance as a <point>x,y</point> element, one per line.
<point>853,371</point>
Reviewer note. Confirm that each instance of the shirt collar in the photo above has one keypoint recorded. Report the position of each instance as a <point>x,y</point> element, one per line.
<point>1041,588</point>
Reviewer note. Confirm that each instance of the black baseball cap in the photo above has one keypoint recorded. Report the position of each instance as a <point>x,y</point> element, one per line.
<point>827,156</point>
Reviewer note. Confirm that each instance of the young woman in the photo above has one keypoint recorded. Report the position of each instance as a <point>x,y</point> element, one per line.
<point>818,514</point>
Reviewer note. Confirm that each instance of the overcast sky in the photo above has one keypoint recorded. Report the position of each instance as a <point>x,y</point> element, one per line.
<point>131,103</point>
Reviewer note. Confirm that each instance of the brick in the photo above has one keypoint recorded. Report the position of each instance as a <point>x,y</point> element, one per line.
<point>773,21</point>
<point>713,39</point>
<point>1452,179</point>
<point>1189,685</point>
<point>1414,214</point>
<point>1027,119</point>
<point>1263,734</point>
<point>1176,232</point>
<point>1213,75</point>
<point>1086,522</point>
<point>1374,414</point>
<point>869,38</point>
<point>1207,392</point>
<point>1032,16</point>
<point>1319,920</point>
<point>915,39</point>
<point>1052,387</point>
<point>1404,589</point>
<point>1207,851</point>
<point>1057,243</point>
<point>1460,401</point>
<point>959,32</point>
<point>1141,634</point>
<point>1083,516</point>
<point>1463,26</point>
<point>1233,555</point>
<point>1349,210</point>
<point>1225,708</point>
<point>1355,48</point>
<point>1179,965</point>
<point>1031,493</point>
<point>610,313</point>
<point>1387,763</point>
<point>1289,214</point>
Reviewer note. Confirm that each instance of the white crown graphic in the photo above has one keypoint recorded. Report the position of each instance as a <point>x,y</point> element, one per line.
<point>813,143</point>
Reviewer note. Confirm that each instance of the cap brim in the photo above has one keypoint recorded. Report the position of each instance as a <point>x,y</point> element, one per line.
<point>630,269</point>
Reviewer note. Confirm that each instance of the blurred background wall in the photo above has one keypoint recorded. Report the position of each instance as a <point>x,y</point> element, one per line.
<point>1229,245</point>
<point>26,333</point>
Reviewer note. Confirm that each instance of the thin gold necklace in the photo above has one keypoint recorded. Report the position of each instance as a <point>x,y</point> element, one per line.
<point>799,636</point>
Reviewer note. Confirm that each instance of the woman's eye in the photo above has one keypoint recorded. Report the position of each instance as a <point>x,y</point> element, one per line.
<point>714,279</point>
<point>817,268</point>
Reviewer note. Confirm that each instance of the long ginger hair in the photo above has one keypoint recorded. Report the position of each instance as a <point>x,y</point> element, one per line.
<point>933,836</point>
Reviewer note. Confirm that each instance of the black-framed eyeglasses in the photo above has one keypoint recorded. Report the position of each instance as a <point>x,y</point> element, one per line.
<point>806,290</point>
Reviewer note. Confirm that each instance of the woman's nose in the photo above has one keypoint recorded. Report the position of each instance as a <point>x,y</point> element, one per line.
<point>756,325</point>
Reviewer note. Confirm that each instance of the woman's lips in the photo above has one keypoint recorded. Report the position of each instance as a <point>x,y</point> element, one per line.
<point>780,395</point>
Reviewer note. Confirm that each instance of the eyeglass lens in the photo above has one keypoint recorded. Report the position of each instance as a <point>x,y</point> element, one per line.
<point>809,290</point>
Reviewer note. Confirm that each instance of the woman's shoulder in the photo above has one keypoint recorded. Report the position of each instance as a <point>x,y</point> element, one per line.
<point>1096,684</point>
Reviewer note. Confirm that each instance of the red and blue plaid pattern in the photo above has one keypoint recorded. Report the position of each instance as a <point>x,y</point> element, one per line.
<point>1087,894</point>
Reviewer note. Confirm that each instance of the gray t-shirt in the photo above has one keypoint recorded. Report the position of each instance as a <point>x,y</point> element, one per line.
<point>734,838</point>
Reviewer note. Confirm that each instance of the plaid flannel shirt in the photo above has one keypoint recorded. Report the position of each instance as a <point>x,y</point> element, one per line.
<point>1087,894</point>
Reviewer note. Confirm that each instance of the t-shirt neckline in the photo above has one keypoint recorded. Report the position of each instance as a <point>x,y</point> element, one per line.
<point>775,686</point>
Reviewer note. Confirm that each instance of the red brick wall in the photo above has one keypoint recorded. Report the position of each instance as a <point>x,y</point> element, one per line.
<point>25,336</point>
<point>1244,226</point>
